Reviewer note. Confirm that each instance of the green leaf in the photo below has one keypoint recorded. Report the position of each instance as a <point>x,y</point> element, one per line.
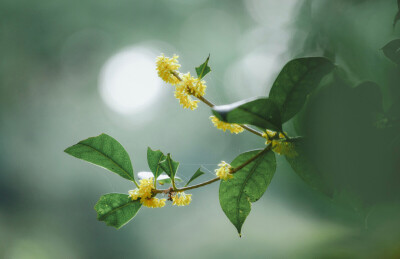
<point>194,176</point>
<point>163,179</point>
<point>106,152</point>
<point>116,209</point>
<point>203,69</point>
<point>297,79</point>
<point>246,186</point>
<point>392,51</point>
<point>154,157</point>
<point>169,166</point>
<point>304,167</point>
<point>260,112</point>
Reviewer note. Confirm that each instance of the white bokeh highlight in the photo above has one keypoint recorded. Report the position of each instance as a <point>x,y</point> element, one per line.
<point>128,81</point>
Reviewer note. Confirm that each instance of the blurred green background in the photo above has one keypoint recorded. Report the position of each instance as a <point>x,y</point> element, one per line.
<point>70,70</point>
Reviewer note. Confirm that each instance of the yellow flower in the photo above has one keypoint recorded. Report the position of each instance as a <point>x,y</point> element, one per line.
<point>232,127</point>
<point>153,202</point>
<point>181,199</point>
<point>224,171</point>
<point>269,135</point>
<point>134,194</point>
<point>192,86</point>
<point>165,67</point>
<point>187,87</point>
<point>145,189</point>
<point>185,100</point>
<point>284,148</point>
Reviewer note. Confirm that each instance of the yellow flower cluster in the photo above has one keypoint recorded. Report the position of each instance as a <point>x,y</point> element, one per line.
<point>153,202</point>
<point>185,84</point>
<point>284,148</point>
<point>279,145</point>
<point>187,87</point>
<point>145,194</point>
<point>181,199</point>
<point>232,127</point>
<point>224,171</point>
<point>165,68</point>
<point>269,135</point>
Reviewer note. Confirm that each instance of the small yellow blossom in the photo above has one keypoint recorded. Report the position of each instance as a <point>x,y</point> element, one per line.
<point>181,199</point>
<point>187,87</point>
<point>134,194</point>
<point>185,100</point>
<point>153,202</point>
<point>269,135</point>
<point>232,127</point>
<point>284,148</point>
<point>144,192</point>
<point>224,171</point>
<point>165,67</point>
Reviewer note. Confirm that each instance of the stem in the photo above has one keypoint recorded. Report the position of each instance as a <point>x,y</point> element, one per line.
<point>234,170</point>
<point>252,130</point>
<point>173,183</point>
<point>137,185</point>
<point>211,105</point>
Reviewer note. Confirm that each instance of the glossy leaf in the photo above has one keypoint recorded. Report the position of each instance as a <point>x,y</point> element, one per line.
<point>106,152</point>
<point>163,179</point>
<point>392,51</point>
<point>169,166</point>
<point>154,157</point>
<point>296,81</point>
<point>197,174</point>
<point>303,166</point>
<point>116,209</point>
<point>246,186</point>
<point>203,69</point>
<point>260,112</point>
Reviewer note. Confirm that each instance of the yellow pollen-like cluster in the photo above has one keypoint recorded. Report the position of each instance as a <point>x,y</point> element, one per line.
<point>165,68</point>
<point>232,127</point>
<point>187,87</point>
<point>185,84</point>
<point>181,199</point>
<point>145,194</point>
<point>153,202</point>
<point>224,171</point>
<point>284,148</point>
<point>269,135</point>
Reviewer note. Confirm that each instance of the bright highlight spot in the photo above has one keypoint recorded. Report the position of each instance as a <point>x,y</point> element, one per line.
<point>128,81</point>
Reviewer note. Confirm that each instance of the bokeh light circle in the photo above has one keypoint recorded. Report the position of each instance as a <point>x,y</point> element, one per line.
<point>128,81</point>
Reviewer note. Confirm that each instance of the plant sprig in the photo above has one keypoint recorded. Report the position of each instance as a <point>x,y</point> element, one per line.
<point>246,178</point>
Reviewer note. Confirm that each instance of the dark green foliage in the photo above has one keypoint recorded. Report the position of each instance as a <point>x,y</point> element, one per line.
<point>198,173</point>
<point>203,69</point>
<point>306,169</point>
<point>260,112</point>
<point>169,166</point>
<point>106,152</point>
<point>392,51</point>
<point>355,154</point>
<point>116,209</point>
<point>154,157</point>
<point>247,185</point>
<point>297,79</point>
<point>397,17</point>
